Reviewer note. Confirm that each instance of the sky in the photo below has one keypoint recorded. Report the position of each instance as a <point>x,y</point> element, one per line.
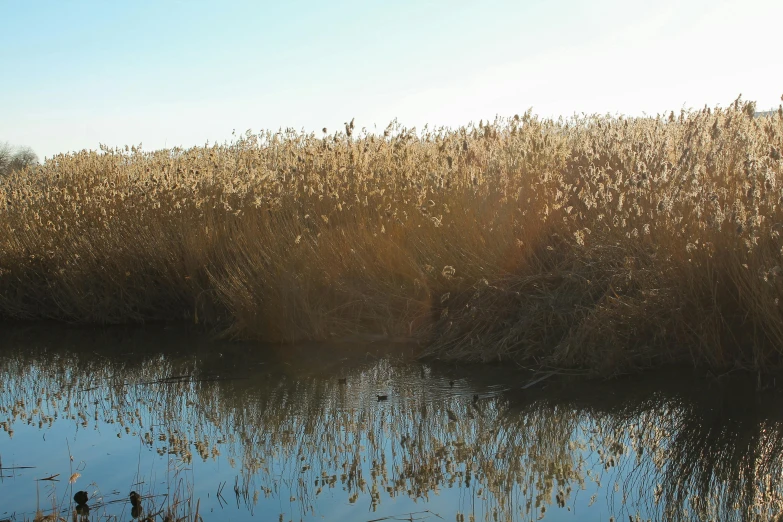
<point>77,74</point>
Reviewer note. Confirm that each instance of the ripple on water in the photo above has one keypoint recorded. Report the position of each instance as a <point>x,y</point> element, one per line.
<point>300,432</point>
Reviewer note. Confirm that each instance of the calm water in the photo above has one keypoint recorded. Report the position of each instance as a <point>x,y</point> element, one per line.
<point>299,433</point>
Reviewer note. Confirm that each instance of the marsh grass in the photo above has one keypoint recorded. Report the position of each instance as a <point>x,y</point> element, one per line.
<point>597,242</point>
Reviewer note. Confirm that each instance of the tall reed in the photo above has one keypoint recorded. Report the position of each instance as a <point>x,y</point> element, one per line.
<point>598,242</point>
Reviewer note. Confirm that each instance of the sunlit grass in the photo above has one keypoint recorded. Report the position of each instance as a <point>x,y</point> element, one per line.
<point>605,243</point>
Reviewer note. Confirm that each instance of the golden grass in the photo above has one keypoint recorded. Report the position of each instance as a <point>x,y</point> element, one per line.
<point>596,242</point>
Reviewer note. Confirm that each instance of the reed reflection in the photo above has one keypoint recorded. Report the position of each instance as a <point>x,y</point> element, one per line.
<point>316,437</point>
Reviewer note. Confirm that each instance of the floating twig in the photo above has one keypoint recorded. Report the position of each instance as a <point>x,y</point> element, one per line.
<point>536,381</point>
<point>407,516</point>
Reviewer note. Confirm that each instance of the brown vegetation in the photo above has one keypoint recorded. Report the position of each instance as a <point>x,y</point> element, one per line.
<point>606,243</point>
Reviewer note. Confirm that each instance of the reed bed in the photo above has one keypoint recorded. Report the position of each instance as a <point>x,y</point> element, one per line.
<point>603,243</point>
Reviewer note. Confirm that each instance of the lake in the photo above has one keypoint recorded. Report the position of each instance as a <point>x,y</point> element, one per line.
<point>364,431</point>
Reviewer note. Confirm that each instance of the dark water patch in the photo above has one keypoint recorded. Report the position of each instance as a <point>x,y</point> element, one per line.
<point>231,431</point>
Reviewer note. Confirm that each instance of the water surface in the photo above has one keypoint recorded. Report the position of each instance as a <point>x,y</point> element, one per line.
<point>361,431</point>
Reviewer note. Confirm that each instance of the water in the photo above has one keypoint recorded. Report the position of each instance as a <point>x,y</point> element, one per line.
<point>235,432</point>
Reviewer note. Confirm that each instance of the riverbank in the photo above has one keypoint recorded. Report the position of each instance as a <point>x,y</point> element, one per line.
<point>604,244</point>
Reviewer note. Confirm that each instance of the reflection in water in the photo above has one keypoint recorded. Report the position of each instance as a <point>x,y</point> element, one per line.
<point>295,434</point>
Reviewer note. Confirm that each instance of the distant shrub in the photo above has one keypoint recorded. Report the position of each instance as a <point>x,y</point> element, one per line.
<point>16,158</point>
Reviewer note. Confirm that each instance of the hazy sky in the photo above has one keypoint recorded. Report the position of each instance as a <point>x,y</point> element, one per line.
<point>165,73</point>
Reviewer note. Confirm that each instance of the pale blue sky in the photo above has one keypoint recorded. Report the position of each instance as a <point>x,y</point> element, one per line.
<point>165,73</point>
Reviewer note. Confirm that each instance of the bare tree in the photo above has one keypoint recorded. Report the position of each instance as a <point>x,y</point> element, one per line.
<point>6,155</point>
<point>24,157</point>
<point>12,159</point>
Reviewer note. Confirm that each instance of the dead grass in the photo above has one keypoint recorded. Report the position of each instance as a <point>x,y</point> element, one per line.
<point>604,243</point>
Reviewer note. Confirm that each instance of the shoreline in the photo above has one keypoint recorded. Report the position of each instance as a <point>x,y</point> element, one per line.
<point>603,244</point>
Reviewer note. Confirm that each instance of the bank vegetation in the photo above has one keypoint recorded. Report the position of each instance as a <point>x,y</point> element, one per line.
<point>604,243</point>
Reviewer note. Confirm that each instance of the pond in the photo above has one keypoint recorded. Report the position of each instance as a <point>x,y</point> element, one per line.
<point>364,431</point>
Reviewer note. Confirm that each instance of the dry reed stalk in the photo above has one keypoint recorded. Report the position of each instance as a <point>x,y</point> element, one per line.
<point>606,243</point>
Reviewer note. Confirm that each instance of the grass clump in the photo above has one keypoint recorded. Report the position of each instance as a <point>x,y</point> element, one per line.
<point>598,242</point>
